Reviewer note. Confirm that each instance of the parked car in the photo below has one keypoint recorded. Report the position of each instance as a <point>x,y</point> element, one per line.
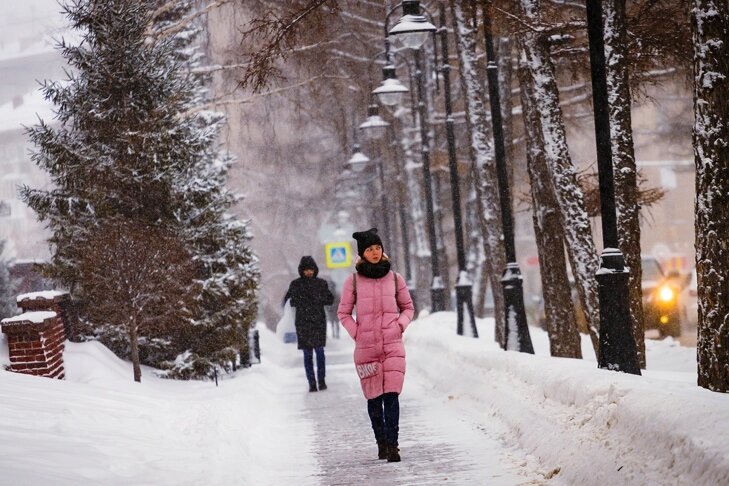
<point>662,303</point>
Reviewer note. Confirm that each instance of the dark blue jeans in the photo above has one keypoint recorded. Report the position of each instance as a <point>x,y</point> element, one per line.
<point>309,364</point>
<point>384,414</point>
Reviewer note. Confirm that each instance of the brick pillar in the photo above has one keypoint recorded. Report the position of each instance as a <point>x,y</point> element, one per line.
<point>36,341</point>
<point>52,300</point>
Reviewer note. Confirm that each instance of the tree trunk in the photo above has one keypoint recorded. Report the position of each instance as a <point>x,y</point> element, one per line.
<point>484,165</point>
<point>559,310</point>
<point>710,25</point>
<point>440,211</point>
<point>576,224</point>
<point>134,347</point>
<point>475,256</point>
<point>624,169</point>
<point>400,224</point>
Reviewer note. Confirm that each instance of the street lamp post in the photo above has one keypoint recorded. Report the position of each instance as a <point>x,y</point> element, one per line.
<point>374,127</point>
<point>511,280</point>
<point>617,349</point>
<point>412,26</point>
<point>464,292</point>
<point>390,93</point>
<point>414,29</point>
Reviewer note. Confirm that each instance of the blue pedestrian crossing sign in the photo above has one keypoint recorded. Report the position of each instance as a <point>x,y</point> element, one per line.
<point>338,254</point>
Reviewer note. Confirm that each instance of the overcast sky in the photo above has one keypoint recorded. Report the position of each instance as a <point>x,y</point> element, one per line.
<point>27,19</point>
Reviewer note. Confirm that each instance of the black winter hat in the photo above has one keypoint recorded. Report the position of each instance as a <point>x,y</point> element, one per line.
<point>307,263</point>
<point>365,239</point>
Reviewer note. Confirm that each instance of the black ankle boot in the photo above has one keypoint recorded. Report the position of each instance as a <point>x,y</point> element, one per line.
<point>312,387</point>
<point>393,453</point>
<point>381,449</point>
<point>322,385</point>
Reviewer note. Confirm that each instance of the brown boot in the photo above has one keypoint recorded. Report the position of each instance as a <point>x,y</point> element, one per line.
<point>381,449</point>
<point>393,453</point>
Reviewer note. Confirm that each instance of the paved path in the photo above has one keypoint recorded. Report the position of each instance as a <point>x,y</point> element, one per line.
<point>437,447</point>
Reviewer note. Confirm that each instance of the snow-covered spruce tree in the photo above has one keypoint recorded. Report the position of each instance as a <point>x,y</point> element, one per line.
<point>228,269</point>
<point>576,225</point>
<point>710,24</point>
<point>624,168</point>
<point>117,150</point>
<point>127,147</point>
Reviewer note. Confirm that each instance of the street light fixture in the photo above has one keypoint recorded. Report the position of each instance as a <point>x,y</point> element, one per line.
<point>390,91</point>
<point>412,28</point>
<point>358,160</point>
<point>374,127</point>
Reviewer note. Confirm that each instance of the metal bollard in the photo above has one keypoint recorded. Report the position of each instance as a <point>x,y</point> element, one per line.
<point>254,347</point>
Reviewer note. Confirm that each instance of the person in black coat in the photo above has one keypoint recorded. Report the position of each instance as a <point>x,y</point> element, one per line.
<point>309,295</point>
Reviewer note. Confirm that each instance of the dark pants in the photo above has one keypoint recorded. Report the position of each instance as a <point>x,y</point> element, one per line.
<point>309,364</point>
<point>384,414</point>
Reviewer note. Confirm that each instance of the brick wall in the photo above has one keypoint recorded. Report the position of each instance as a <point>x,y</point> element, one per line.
<point>56,301</point>
<point>36,343</point>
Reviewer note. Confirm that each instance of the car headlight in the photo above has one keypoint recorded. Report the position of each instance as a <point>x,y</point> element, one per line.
<point>666,294</point>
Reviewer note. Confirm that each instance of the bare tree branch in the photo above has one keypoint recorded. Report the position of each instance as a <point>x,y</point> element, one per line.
<point>183,23</point>
<point>240,101</point>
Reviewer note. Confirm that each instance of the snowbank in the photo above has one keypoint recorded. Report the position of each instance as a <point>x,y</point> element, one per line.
<point>100,427</point>
<point>585,425</point>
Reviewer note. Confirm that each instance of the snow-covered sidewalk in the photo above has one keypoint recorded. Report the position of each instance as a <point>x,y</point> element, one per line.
<point>437,443</point>
<point>471,414</point>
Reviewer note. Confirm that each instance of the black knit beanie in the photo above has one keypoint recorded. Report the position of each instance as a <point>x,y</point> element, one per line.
<point>365,239</point>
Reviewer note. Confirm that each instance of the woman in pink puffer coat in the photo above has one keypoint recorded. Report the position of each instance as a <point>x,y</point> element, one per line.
<point>384,311</point>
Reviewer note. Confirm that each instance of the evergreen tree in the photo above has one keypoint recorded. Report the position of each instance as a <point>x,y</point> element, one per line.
<point>129,147</point>
<point>228,269</point>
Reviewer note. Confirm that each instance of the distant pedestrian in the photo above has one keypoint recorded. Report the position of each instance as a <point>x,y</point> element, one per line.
<point>308,295</point>
<point>384,311</point>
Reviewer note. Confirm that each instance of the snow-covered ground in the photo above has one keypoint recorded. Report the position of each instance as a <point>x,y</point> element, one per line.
<point>557,421</point>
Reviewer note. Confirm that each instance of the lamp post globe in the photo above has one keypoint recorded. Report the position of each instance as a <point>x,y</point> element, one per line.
<point>412,29</point>
<point>358,161</point>
<point>390,91</point>
<point>374,127</point>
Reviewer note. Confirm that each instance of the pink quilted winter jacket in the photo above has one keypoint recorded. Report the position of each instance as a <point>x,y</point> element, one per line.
<point>383,314</point>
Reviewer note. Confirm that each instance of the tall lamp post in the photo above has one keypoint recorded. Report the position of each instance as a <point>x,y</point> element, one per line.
<point>374,127</point>
<point>511,279</point>
<point>617,349</point>
<point>390,93</point>
<point>406,26</point>
<point>414,29</point>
